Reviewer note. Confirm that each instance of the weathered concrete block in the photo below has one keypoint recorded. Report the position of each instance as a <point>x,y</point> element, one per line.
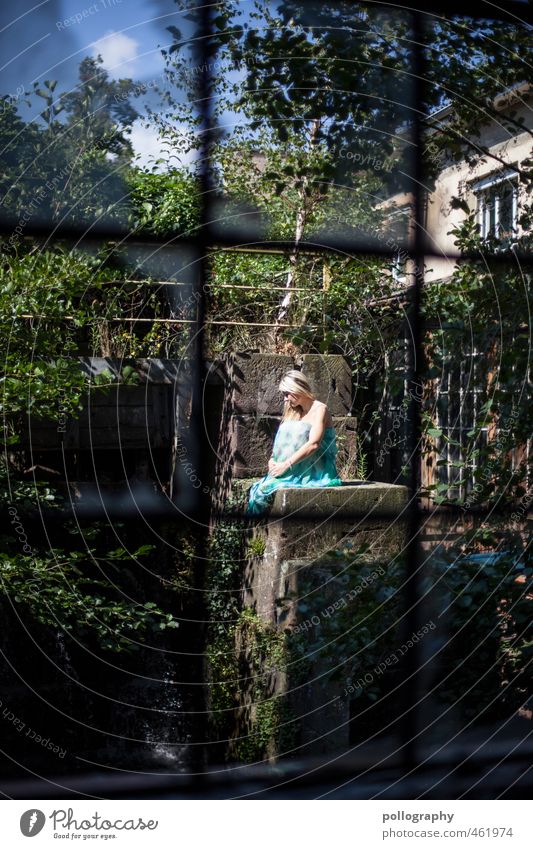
<point>331,378</point>
<point>255,381</point>
<point>252,439</point>
<point>364,499</point>
<point>308,583</point>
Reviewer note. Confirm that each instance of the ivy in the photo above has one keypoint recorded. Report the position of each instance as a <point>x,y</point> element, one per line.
<point>64,590</point>
<point>482,308</point>
<point>486,598</point>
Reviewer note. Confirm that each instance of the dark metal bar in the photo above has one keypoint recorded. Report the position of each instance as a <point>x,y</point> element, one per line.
<point>197,430</point>
<point>411,619</point>
<point>447,771</point>
<point>161,507</point>
<point>512,13</point>
<point>346,248</point>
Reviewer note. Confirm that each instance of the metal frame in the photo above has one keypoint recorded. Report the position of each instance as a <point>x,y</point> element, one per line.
<point>202,244</point>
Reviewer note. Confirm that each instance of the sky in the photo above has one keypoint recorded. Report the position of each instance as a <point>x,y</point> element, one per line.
<point>47,39</point>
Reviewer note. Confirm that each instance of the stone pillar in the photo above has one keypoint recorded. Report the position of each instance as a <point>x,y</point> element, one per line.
<point>358,513</point>
<point>308,576</point>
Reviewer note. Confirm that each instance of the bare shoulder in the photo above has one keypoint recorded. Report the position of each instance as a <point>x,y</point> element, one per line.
<point>322,414</point>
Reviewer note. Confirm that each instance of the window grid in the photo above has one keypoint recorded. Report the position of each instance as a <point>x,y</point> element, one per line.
<point>459,400</point>
<point>497,206</point>
<point>203,241</point>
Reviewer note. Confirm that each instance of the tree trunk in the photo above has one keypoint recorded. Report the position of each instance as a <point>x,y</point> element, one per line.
<point>302,215</point>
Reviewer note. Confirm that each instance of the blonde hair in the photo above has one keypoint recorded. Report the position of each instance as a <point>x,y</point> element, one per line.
<point>297,383</point>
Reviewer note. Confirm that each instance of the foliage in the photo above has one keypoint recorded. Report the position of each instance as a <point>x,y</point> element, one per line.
<point>224,579</point>
<point>280,167</point>
<point>164,204</point>
<point>17,158</point>
<point>285,182</point>
<point>256,547</point>
<point>50,299</point>
<point>338,57</point>
<point>335,53</point>
<point>99,109</point>
<point>242,651</point>
<point>67,167</point>
<point>68,590</point>
<point>337,318</point>
<point>481,311</point>
<point>53,289</point>
<point>227,558</point>
<point>486,603</point>
<point>257,303</point>
<point>57,304</point>
<point>261,656</point>
<point>244,711</point>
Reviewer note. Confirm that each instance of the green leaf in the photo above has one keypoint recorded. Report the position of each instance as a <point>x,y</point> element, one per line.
<point>144,549</point>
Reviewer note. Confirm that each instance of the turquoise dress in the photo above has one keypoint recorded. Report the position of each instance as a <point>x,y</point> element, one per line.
<point>318,469</point>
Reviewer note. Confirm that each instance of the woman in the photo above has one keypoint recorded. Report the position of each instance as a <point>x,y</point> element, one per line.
<point>304,448</point>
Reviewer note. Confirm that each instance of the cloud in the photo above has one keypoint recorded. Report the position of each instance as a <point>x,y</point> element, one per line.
<point>118,51</point>
<point>147,144</point>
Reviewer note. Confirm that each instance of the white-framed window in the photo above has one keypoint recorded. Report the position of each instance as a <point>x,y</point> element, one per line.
<point>398,227</point>
<point>398,267</point>
<point>497,205</point>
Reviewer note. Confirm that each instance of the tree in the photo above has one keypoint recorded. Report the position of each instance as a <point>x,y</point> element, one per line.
<point>475,68</point>
<point>285,155</point>
<point>99,110</point>
<point>351,64</point>
<point>68,166</point>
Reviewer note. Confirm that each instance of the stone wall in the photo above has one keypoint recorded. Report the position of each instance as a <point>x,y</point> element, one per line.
<point>254,406</point>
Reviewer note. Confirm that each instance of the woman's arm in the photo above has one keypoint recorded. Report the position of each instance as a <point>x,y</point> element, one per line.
<point>315,437</point>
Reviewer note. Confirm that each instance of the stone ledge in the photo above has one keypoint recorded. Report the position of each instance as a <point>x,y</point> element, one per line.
<point>353,498</point>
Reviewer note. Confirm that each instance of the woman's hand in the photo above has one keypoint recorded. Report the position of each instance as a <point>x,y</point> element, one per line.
<point>271,463</point>
<point>278,469</point>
